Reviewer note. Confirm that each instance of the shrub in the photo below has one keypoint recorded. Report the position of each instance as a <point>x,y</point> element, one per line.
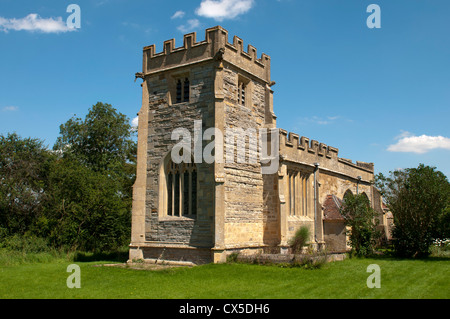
<point>363,223</point>
<point>299,240</point>
<point>233,257</point>
<point>312,260</point>
<point>25,244</point>
<point>418,199</point>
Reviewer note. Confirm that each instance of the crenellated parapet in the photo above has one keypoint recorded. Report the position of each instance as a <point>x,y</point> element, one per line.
<point>215,46</point>
<point>305,144</point>
<point>301,149</point>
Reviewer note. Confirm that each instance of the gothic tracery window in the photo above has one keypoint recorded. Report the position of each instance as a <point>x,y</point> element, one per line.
<point>181,182</point>
<point>298,183</point>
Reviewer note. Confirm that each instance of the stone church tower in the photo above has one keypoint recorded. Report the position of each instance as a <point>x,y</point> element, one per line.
<point>200,210</point>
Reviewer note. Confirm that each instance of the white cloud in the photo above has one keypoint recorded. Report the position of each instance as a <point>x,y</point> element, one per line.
<point>178,14</point>
<point>407,142</point>
<point>220,10</point>
<point>322,121</point>
<point>135,122</point>
<point>10,109</point>
<point>190,26</point>
<point>34,22</point>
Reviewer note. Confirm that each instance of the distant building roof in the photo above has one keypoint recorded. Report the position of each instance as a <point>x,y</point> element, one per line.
<point>331,209</point>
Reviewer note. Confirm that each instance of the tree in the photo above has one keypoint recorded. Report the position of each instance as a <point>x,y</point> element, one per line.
<point>362,220</point>
<point>24,167</point>
<point>87,210</point>
<point>91,182</point>
<point>418,199</point>
<point>102,141</point>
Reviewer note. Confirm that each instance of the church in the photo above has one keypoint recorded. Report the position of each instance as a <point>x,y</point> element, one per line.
<point>215,175</point>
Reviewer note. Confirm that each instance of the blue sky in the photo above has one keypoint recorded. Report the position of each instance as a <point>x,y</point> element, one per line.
<point>380,95</point>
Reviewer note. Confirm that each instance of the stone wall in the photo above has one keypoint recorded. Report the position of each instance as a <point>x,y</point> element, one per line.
<point>335,236</point>
<point>164,117</point>
<point>243,183</point>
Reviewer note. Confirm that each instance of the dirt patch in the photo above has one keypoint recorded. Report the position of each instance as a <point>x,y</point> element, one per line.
<point>142,266</point>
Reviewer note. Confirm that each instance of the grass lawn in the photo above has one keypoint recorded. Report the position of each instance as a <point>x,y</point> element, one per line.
<point>343,279</point>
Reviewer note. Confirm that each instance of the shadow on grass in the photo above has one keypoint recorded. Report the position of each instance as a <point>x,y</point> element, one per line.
<point>390,255</point>
<point>116,256</point>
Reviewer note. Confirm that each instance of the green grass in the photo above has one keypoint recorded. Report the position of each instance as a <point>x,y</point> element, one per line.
<point>344,279</point>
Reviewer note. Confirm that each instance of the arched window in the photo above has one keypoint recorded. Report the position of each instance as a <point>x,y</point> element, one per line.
<point>366,197</point>
<point>181,189</point>
<point>347,193</point>
<point>298,193</point>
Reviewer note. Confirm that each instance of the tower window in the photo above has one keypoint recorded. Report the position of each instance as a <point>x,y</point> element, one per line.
<point>181,182</point>
<point>178,91</point>
<point>182,90</point>
<point>186,90</point>
<point>241,93</point>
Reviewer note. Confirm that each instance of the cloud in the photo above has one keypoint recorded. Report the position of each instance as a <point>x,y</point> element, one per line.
<point>135,122</point>
<point>409,143</point>
<point>322,121</point>
<point>34,22</point>
<point>220,10</point>
<point>135,26</point>
<point>178,14</point>
<point>190,26</point>
<point>10,109</point>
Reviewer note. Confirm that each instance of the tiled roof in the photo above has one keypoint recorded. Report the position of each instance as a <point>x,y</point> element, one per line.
<point>331,208</point>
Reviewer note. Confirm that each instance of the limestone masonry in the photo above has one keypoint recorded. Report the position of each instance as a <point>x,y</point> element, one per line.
<point>202,211</point>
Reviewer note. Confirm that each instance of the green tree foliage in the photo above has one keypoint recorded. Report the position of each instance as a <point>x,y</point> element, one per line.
<point>362,220</point>
<point>86,209</point>
<point>24,167</point>
<point>419,201</point>
<point>102,141</point>
<point>91,183</point>
<point>77,196</point>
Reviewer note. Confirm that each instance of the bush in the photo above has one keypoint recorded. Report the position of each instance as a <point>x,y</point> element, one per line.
<point>363,223</point>
<point>233,257</point>
<point>299,240</point>
<point>25,244</point>
<point>418,199</point>
<point>312,260</point>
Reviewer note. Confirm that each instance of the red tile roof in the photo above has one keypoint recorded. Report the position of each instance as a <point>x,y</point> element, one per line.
<point>331,208</point>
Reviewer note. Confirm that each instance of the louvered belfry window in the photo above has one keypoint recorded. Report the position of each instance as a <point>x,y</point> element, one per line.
<point>178,91</point>
<point>182,90</point>
<point>186,90</point>
<point>241,93</point>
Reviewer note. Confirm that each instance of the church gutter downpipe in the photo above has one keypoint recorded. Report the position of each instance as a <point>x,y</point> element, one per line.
<point>357,184</point>
<point>316,168</point>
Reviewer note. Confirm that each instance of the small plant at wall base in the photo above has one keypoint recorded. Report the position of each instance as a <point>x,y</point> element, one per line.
<point>361,219</point>
<point>300,240</point>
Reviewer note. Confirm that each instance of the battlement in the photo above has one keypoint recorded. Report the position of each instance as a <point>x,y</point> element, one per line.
<point>291,144</point>
<point>215,46</point>
<point>305,144</point>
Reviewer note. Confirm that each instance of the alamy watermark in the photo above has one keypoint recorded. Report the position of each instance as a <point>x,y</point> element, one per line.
<point>374,19</point>
<point>374,280</point>
<point>74,280</point>
<point>74,20</point>
<point>250,145</point>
